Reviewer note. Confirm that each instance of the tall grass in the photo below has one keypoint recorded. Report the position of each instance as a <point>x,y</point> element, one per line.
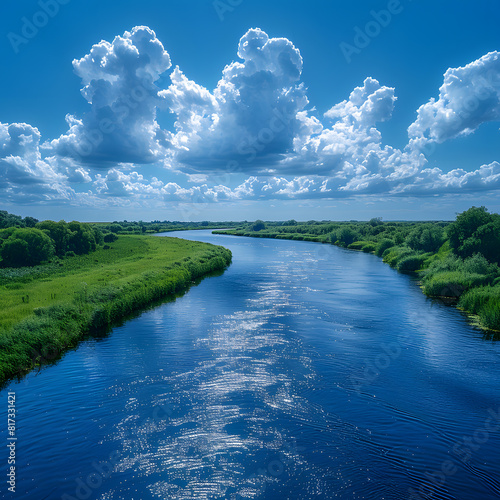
<point>43,314</point>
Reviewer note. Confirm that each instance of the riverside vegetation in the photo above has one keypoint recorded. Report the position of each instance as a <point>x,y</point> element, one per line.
<point>455,260</point>
<point>61,291</point>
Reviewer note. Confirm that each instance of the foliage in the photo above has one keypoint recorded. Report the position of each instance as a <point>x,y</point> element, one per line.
<point>258,225</point>
<point>346,236</point>
<point>110,237</point>
<point>476,230</point>
<point>26,247</point>
<point>426,237</point>
<point>411,262</point>
<point>383,245</point>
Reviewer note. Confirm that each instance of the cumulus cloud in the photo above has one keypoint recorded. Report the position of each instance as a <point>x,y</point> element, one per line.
<point>24,175</point>
<point>469,96</point>
<point>351,137</point>
<point>118,81</point>
<point>250,118</point>
<point>256,122</point>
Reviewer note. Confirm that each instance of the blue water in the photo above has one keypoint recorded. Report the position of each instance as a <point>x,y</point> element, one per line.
<point>304,371</point>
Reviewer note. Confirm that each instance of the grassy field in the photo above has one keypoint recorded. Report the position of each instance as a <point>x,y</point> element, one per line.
<point>48,309</point>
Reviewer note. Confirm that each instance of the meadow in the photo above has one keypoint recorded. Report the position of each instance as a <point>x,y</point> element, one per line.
<point>49,308</point>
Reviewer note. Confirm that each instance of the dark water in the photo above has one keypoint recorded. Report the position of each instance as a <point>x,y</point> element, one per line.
<point>304,371</point>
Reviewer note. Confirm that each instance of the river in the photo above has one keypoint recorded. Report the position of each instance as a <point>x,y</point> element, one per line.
<point>303,371</point>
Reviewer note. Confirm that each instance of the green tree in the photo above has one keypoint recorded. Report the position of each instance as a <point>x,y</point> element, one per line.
<point>426,237</point>
<point>27,247</point>
<point>463,229</point>
<point>82,238</point>
<point>347,235</point>
<point>59,232</point>
<point>258,225</point>
<point>30,221</point>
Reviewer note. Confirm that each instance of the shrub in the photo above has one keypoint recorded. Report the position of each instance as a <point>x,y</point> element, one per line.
<point>485,302</point>
<point>383,245</point>
<point>426,237</point>
<point>346,236</point>
<point>410,263</point>
<point>110,237</point>
<point>258,225</point>
<point>393,255</point>
<point>479,265</point>
<point>369,247</point>
<point>357,245</point>
<point>452,283</point>
<point>26,247</point>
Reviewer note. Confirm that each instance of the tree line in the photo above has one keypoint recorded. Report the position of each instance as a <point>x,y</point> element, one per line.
<point>456,259</point>
<point>28,242</point>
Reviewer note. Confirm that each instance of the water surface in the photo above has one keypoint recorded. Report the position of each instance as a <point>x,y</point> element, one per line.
<point>304,371</point>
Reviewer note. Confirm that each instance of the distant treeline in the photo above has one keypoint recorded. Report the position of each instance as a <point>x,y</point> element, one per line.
<point>156,226</point>
<point>28,242</point>
<point>454,259</point>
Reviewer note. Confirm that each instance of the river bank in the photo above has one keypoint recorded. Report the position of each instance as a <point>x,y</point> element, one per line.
<point>48,309</point>
<point>472,283</point>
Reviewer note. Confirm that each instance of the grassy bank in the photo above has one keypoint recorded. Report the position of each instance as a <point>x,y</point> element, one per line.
<point>47,309</point>
<point>455,260</point>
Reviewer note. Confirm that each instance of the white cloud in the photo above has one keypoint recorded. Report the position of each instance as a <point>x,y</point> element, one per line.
<point>24,175</point>
<point>352,136</point>
<point>469,96</point>
<point>118,81</point>
<point>252,117</point>
<point>256,122</point>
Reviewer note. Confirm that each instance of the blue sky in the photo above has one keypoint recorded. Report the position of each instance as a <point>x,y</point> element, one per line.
<point>229,109</point>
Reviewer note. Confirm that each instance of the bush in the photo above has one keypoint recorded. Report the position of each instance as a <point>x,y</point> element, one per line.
<point>452,283</point>
<point>393,255</point>
<point>426,237</point>
<point>258,225</point>
<point>485,302</point>
<point>383,245</point>
<point>110,238</point>
<point>369,247</point>
<point>346,236</point>
<point>475,230</point>
<point>357,245</point>
<point>478,264</point>
<point>411,263</point>
<point>26,247</point>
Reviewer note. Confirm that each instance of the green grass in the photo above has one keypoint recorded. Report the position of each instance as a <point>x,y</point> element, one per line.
<point>50,308</point>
